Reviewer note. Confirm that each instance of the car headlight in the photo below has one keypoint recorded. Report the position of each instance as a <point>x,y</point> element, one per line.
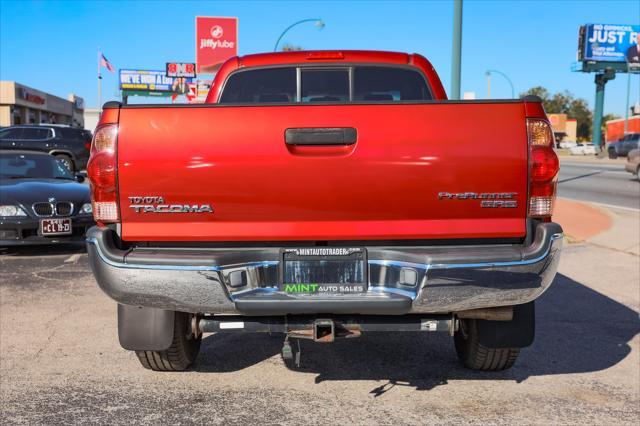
<point>86,208</point>
<point>8,210</point>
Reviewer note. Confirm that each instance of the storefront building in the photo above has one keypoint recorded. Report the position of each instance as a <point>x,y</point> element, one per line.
<point>20,104</point>
<point>616,128</point>
<point>563,128</point>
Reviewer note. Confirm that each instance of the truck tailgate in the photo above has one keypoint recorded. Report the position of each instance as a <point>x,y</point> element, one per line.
<point>388,185</point>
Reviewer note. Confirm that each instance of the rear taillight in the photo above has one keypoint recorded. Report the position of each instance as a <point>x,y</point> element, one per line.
<point>103,172</point>
<point>87,146</point>
<point>543,168</point>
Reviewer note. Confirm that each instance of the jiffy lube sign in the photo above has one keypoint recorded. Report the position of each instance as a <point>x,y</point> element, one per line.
<point>216,41</point>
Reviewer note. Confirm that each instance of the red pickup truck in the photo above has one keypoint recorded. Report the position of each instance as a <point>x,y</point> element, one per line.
<point>322,195</point>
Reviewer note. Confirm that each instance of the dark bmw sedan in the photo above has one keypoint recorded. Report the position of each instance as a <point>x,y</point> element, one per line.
<point>41,201</point>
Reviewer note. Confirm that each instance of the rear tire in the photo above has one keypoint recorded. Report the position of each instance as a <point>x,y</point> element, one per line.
<point>67,161</point>
<point>612,154</point>
<point>472,354</point>
<point>182,352</point>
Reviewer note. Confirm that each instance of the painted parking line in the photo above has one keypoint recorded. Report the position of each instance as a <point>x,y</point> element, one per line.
<point>73,258</point>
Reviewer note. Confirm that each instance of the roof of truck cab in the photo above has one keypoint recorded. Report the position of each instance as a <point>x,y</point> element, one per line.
<point>323,56</point>
<point>316,57</point>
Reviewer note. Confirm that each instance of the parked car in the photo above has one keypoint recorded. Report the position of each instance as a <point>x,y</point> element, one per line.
<point>69,145</point>
<point>583,148</point>
<point>41,201</point>
<point>633,162</point>
<point>622,147</point>
<point>357,200</point>
<point>568,144</point>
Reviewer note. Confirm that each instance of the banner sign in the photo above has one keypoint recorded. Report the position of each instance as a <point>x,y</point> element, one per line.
<point>216,41</point>
<point>152,81</point>
<point>610,43</point>
<point>192,94</point>
<point>200,90</point>
<point>180,69</point>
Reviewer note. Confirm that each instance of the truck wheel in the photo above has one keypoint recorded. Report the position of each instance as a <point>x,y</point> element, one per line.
<point>67,161</point>
<point>612,154</point>
<point>182,352</point>
<point>476,356</point>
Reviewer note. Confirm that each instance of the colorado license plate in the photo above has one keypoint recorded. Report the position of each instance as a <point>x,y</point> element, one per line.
<point>56,227</point>
<point>324,270</point>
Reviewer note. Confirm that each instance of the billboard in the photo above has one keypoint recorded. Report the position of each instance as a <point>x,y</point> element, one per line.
<point>181,69</point>
<point>610,43</point>
<point>153,82</point>
<point>216,41</point>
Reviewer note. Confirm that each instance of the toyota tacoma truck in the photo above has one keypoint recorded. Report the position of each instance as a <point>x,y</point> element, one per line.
<point>323,195</point>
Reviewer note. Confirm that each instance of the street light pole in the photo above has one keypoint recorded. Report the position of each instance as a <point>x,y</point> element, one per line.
<point>456,54</point>
<point>318,23</point>
<point>488,74</point>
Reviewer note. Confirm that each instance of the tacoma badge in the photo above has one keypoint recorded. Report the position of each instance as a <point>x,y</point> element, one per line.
<point>155,204</point>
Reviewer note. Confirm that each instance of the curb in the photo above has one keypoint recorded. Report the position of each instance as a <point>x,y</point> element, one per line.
<point>581,221</point>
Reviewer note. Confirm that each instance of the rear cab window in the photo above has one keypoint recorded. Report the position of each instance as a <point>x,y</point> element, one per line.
<point>305,84</point>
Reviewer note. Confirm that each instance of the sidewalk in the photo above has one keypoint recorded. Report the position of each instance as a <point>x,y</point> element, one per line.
<point>612,228</point>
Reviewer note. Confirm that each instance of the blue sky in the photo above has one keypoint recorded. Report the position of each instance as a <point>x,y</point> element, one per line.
<point>52,45</point>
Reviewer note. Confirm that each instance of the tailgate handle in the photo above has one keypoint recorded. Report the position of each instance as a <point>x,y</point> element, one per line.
<point>321,136</point>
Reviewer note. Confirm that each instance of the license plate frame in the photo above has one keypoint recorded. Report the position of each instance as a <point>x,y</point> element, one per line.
<point>56,227</point>
<point>343,260</point>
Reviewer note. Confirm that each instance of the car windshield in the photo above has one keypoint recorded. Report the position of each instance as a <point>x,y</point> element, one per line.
<point>32,166</point>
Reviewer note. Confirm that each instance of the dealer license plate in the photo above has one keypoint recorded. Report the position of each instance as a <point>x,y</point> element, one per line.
<point>323,270</point>
<point>50,227</point>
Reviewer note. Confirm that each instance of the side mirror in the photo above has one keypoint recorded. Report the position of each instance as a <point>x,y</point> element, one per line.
<point>80,177</point>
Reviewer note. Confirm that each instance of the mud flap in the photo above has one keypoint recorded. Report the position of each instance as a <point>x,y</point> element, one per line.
<point>145,329</point>
<point>517,333</point>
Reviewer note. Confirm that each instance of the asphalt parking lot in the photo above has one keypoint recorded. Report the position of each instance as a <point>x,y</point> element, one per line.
<point>61,362</point>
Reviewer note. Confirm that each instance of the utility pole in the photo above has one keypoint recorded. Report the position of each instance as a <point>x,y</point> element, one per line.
<point>488,74</point>
<point>456,54</point>
<point>601,79</point>
<point>626,111</point>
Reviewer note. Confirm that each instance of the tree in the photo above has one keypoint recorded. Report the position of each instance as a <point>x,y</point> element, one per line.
<point>290,47</point>
<point>566,103</point>
<point>579,109</point>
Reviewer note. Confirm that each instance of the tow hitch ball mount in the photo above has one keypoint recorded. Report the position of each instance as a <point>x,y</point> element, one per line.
<point>328,330</point>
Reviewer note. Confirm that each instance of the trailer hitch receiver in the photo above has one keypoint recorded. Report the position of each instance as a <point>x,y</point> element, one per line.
<point>324,331</point>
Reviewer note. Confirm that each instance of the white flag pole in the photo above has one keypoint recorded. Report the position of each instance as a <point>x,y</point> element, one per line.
<point>99,83</point>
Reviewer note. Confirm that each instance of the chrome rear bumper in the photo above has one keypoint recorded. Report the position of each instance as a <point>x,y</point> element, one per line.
<point>426,279</point>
